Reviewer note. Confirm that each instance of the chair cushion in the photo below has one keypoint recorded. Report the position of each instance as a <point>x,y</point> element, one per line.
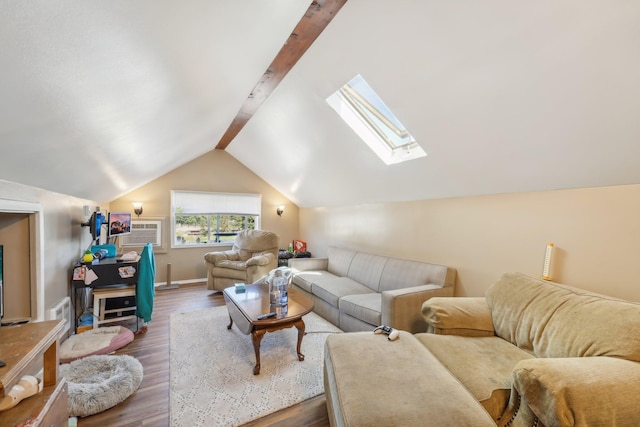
<point>229,273</point>
<point>235,265</point>
<point>244,255</point>
<point>256,241</point>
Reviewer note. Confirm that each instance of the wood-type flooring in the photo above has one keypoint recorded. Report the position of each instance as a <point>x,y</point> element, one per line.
<point>149,405</point>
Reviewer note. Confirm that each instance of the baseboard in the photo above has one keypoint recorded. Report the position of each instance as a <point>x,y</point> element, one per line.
<point>177,283</point>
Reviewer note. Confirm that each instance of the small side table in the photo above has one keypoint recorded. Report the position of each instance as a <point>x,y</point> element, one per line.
<point>100,312</point>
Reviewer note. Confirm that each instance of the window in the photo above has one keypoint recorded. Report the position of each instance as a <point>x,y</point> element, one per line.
<point>363,110</point>
<point>212,218</point>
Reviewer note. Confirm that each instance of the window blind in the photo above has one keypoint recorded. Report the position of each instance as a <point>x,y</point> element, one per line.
<point>202,203</point>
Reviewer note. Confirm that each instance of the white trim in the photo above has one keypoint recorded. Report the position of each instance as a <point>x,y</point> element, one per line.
<point>18,206</point>
<point>181,282</point>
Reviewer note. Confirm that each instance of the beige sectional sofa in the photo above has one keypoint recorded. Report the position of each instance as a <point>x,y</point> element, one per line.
<point>530,352</point>
<point>357,291</point>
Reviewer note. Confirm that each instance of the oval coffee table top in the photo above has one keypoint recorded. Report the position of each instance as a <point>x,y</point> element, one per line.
<point>254,302</point>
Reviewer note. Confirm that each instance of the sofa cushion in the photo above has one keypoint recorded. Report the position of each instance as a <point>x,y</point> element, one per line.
<point>339,260</point>
<point>365,307</point>
<point>306,279</point>
<point>483,364</point>
<point>402,273</point>
<point>467,316</point>
<point>520,307</point>
<point>580,391</point>
<point>609,327</point>
<point>542,317</point>
<point>367,269</point>
<point>331,290</point>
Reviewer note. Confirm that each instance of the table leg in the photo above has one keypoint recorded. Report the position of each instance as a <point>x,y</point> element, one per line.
<point>230,322</point>
<point>300,326</point>
<point>51,361</point>
<point>256,336</point>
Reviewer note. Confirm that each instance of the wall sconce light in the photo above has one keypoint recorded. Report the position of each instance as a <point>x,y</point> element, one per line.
<point>280,210</point>
<point>137,208</point>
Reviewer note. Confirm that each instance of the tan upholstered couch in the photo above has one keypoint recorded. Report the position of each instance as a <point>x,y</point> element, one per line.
<point>358,291</point>
<point>531,352</point>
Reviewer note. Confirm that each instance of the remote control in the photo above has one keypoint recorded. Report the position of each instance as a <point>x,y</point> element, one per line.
<point>393,334</point>
<point>266,316</point>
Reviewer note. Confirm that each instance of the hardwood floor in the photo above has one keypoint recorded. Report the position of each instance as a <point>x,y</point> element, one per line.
<point>149,405</point>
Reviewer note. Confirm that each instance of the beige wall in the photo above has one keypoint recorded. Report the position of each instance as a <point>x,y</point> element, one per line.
<point>596,233</point>
<point>214,171</point>
<point>62,242</point>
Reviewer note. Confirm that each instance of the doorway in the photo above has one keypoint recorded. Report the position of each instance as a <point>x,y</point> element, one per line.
<point>21,237</point>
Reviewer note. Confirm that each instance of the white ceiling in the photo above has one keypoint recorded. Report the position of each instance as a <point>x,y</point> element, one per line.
<point>98,98</point>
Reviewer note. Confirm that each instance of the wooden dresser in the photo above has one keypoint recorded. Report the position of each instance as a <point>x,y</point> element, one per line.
<point>26,349</point>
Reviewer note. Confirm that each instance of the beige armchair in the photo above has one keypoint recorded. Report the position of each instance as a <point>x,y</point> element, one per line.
<point>253,256</point>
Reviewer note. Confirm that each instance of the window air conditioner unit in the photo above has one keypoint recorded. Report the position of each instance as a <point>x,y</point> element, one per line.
<point>142,232</point>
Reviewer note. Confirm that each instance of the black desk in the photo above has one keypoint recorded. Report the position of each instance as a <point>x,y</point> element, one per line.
<point>108,272</point>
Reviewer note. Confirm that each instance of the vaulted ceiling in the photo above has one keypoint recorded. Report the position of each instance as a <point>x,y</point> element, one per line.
<point>98,98</point>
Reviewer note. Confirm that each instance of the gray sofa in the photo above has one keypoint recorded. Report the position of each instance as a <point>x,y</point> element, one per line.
<point>529,353</point>
<point>357,291</point>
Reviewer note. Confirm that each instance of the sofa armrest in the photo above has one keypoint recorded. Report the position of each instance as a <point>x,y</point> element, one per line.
<point>401,307</point>
<point>307,264</point>
<point>263,259</point>
<point>579,390</point>
<point>466,316</point>
<point>213,257</point>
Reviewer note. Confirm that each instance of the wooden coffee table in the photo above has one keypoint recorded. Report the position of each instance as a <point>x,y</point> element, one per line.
<point>244,309</point>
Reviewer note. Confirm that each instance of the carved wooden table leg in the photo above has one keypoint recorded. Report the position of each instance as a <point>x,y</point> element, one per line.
<point>230,322</point>
<point>256,336</point>
<point>300,326</point>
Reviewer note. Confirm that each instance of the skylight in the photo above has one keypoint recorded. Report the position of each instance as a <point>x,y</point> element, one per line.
<point>375,124</point>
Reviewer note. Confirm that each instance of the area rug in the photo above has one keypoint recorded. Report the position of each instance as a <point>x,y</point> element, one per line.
<point>211,379</point>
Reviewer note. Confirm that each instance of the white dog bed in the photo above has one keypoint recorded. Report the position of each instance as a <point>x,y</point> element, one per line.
<point>94,341</point>
<point>97,383</point>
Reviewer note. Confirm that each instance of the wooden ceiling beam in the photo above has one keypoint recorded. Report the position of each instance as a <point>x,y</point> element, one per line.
<point>315,20</point>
